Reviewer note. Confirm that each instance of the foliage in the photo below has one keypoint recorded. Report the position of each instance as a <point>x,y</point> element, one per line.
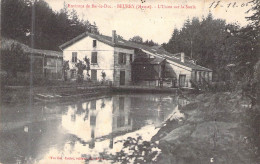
<point>66,65</point>
<point>252,31</point>
<point>103,75</point>
<point>137,151</point>
<point>150,43</point>
<point>65,68</point>
<point>14,60</point>
<point>80,68</point>
<point>103,105</point>
<point>255,17</point>
<point>61,26</point>
<point>137,39</point>
<point>120,37</point>
<point>224,45</point>
<point>87,61</point>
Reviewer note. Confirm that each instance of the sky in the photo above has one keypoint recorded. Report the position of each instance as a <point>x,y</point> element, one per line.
<point>156,23</point>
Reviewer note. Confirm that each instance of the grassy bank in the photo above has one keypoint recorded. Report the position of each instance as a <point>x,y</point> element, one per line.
<point>217,128</point>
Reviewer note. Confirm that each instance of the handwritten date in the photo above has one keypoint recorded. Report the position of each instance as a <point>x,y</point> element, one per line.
<point>230,5</point>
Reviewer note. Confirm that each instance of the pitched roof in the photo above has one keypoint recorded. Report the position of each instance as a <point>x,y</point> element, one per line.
<point>153,61</point>
<point>6,44</point>
<point>156,50</point>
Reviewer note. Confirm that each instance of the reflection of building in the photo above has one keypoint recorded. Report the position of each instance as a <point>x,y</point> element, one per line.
<point>98,118</point>
<point>107,118</point>
<point>121,114</point>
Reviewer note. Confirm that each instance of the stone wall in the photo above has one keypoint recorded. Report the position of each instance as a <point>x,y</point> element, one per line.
<point>122,67</point>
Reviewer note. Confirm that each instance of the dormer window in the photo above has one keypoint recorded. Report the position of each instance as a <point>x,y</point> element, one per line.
<point>94,43</point>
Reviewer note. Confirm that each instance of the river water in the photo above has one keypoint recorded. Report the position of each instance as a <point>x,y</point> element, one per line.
<point>70,132</point>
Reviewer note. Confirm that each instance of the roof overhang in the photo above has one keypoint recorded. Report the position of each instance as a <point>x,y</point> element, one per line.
<point>86,34</point>
<point>170,62</point>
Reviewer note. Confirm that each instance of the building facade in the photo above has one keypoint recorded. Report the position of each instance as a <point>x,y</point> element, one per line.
<point>119,60</point>
<point>46,64</point>
<point>115,62</point>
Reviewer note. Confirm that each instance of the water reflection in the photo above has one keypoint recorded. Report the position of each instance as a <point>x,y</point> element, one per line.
<point>98,119</point>
<point>84,128</point>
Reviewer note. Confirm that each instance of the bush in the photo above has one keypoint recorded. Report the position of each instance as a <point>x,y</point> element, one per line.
<point>137,151</point>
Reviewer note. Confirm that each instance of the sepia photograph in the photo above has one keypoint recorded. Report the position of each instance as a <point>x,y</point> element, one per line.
<point>130,81</point>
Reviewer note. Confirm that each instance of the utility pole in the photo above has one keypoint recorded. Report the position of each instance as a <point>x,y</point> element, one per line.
<point>191,48</point>
<point>32,46</point>
<point>29,138</point>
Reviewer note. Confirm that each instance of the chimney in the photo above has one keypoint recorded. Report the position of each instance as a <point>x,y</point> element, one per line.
<point>182,57</point>
<point>114,36</point>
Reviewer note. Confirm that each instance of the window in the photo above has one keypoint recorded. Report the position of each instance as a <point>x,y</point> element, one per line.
<point>74,57</point>
<point>121,58</point>
<point>131,58</point>
<point>94,57</point>
<point>94,43</point>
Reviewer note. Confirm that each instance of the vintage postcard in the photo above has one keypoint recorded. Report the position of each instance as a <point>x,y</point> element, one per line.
<point>130,81</point>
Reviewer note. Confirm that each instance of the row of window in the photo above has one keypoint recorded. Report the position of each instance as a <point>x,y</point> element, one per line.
<point>93,57</point>
<point>199,75</point>
<point>121,58</point>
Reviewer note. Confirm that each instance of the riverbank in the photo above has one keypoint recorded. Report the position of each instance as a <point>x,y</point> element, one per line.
<point>202,128</point>
<point>216,128</point>
<point>26,94</point>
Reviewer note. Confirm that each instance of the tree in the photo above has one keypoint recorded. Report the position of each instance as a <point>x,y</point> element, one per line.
<point>136,39</point>
<point>80,68</point>
<point>65,68</point>
<point>103,75</point>
<point>14,60</point>
<point>150,43</point>
<point>120,37</point>
<point>253,32</point>
<point>51,28</point>
<point>87,61</point>
<point>208,42</point>
<point>255,17</point>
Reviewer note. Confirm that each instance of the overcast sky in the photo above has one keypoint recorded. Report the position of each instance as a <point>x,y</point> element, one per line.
<point>156,24</point>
